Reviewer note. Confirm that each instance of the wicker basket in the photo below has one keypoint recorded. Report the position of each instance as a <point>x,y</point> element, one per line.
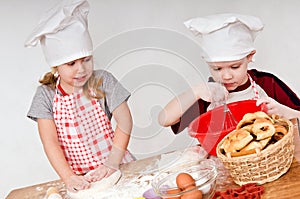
<point>266,166</point>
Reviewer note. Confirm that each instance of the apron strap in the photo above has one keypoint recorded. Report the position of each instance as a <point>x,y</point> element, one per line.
<point>254,87</point>
<point>57,83</point>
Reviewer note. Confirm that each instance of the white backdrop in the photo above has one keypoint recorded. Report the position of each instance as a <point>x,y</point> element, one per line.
<point>145,45</point>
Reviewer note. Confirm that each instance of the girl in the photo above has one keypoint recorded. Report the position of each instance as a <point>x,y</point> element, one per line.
<point>75,103</point>
<point>227,43</point>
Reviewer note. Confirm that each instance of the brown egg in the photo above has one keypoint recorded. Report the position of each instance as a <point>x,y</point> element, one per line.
<point>190,187</point>
<point>173,191</point>
<point>184,180</point>
<point>195,194</point>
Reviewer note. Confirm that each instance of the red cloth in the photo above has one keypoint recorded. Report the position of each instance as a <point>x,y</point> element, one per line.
<point>247,191</point>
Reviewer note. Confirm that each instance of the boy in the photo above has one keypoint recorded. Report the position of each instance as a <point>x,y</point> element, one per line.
<point>227,43</point>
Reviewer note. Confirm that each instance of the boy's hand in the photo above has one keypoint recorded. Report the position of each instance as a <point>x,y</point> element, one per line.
<point>75,183</point>
<point>211,92</point>
<point>271,106</point>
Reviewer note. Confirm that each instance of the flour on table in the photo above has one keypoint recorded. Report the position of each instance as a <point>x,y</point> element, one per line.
<point>96,187</point>
<point>127,188</point>
<point>187,157</point>
<point>138,179</point>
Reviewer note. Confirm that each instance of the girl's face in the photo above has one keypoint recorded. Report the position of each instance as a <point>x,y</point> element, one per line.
<point>230,73</point>
<point>74,74</point>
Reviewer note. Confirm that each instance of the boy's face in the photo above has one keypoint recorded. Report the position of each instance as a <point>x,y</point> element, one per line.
<point>230,73</point>
<point>74,74</point>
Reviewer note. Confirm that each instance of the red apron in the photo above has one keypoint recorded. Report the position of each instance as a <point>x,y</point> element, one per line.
<point>84,131</point>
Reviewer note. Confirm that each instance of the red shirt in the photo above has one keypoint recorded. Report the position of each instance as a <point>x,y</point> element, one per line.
<point>272,85</point>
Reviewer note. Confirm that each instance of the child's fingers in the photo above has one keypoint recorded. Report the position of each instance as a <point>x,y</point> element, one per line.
<point>263,103</point>
<point>76,183</point>
<point>264,107</point>
<point>96,174</point>
<point>110,171</point>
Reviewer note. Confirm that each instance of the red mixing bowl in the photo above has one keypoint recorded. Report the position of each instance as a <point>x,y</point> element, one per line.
<point>208,127</point>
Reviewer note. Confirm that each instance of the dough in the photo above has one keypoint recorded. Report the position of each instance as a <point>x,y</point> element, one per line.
<point>261,144</point>
<point>52,193</point>
<point>247,119</point>
<point>237,140</point>
<point>96,187</point>
<point>263,129</point>
<point>55,196</point>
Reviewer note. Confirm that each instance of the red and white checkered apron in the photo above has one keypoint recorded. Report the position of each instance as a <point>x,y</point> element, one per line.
<point>84,131</point>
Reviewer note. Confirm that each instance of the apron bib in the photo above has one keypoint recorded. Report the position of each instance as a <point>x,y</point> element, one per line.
<point>84,131</point>
<point>252,92</point>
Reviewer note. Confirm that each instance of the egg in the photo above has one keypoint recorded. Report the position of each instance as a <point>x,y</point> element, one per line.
<point>184,180</point>
<point>190,187</point>
<point>174,191</point>
<point>194,194</point>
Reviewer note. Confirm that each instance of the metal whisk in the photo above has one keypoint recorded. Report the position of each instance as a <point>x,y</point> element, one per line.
<point>229,122</point>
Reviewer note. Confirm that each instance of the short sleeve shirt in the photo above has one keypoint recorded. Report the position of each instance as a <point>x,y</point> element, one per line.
<point>115,94</point>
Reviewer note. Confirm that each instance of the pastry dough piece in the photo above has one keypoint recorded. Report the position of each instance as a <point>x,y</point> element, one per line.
<point>261,114</point>
<point>248,127</point>
<point>264,142</point>
<point>241,153</point>
<point>263,128</point>
<point>282,122</point>
<point>247,119</point>
<point>252,145</point>
<point>257,144</point>
<point>250,118</point>
<point>261,120</point>
<point>280,131</point>
<point>237,140</point>
<point>275,117</point>
<point>96,187</point>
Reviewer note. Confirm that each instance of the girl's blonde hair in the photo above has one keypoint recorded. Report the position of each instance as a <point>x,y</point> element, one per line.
<point>91,88</point>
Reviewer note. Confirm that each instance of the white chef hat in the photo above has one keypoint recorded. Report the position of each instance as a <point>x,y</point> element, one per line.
<point>225,37</point>
<point>63,33</point>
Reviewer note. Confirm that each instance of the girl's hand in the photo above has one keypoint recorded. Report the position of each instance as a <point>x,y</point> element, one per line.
<point>99,173</point>
<point>75,183</point>
<point>271,106</point>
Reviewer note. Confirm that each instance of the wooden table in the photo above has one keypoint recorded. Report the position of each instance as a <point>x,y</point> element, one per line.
<point>286,187</point>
